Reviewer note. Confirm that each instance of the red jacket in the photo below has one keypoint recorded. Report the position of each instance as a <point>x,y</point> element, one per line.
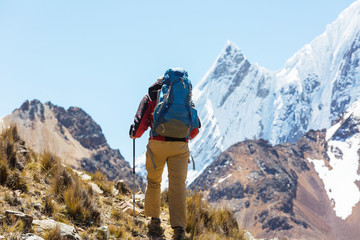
<point>144,115</point>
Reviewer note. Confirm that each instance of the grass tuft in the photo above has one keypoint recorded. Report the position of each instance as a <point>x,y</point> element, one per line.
<point>119,232</point>
<point>4,171</point>
<point>62,180</point>
<point>49,206</point>
<point>203,220</point>
<point>18,226</point>
<point>13,157</point>
<point>104,184</point>
<point>116,214</point>
<point>53,234</point>
<point>73,193</point>
<point>16,182</point>
<point>49,163</point>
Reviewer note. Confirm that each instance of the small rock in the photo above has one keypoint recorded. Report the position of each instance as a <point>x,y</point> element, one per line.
<point>115,192</point>
<point>17,193</point>
<point>12,217</point>
<point>30,236</point>
<point>140,196</point>
<point>83,176</point>
<point>96,188</point>
<point>248,236</point>
<point>129,208</point>
<point>103,233</point>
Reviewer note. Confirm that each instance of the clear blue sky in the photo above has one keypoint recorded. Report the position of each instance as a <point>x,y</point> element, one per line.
<point>102,55</point>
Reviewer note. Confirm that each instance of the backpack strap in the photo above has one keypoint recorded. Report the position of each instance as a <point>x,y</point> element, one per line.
<point>166,98</point>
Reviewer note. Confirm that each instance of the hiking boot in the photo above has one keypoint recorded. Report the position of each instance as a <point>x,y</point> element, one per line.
<point>154,228</point>
<point>179,233</point>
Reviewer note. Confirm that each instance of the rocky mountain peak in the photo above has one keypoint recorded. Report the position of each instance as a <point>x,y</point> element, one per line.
<point>81,126</point>
<point>71,134</point>
<point>32,110</point>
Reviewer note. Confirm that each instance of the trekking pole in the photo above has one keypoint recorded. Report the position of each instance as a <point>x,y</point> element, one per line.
<point>134,180</point>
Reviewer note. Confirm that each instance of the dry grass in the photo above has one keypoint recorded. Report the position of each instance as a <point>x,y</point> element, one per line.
<point>10,143</point>
<point>104,184</point>
<point>53,234</point>
<point>119,232</point>
<point>73,193</point>
<point>16,181</point>
<point>203,220</point>
<point>4,170</point>
<point>116,214</point>
<point>18,226</point>
<point>62,180</point>
<point>12,162</point>
<point>49,206</point>
<point>10,134</point>
<point>49,164</point>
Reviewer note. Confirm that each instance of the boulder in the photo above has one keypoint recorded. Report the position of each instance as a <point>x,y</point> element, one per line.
<point>96,188</point>
<point>66,231</point>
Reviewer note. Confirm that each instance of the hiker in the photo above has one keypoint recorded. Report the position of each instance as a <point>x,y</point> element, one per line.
<point>168,143</point>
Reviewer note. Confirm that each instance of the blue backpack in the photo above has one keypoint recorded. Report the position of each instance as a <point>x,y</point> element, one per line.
<point>175,115</point>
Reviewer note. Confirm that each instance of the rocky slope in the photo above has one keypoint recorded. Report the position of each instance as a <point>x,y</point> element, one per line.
<point>40,199</point>
<point>303,190</point>
<point>71,134</point>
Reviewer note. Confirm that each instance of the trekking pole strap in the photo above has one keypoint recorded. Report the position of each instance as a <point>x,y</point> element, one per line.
<point>151,156</point>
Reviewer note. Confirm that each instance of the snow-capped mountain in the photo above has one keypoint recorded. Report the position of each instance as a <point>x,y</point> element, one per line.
<point>309,189</point>
<point>239,100</point>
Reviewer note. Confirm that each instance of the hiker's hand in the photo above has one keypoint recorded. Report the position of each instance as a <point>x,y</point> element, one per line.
<point>131,132</point>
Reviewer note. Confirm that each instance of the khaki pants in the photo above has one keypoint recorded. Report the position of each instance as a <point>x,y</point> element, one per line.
<point>176,154</point>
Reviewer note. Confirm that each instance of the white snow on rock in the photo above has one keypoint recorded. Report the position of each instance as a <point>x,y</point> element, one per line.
<point>339,179</point>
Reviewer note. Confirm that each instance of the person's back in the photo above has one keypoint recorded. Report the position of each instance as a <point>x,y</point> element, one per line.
<point>173,124</point>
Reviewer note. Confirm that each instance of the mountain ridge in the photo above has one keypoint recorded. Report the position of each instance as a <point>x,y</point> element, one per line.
<point>72,134</point>
<point>299,190</point>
